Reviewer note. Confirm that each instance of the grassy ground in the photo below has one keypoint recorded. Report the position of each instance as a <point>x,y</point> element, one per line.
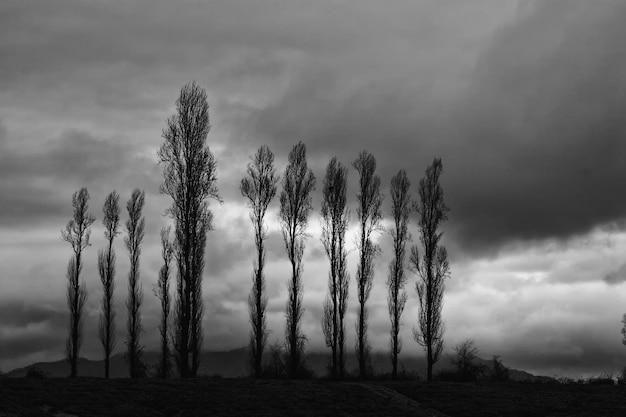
<point>245,397</point>
<point>515,399</point>
<point>200,397</point>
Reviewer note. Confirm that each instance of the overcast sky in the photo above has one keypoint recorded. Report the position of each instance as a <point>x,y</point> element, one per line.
<point>523,100</point>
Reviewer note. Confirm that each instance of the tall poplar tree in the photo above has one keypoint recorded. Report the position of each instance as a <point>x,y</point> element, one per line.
<point>432,267</point>
<point>135,231</point>
<point>106,267</point>
<point>295,204</point>
<point>334,225</point>
<point>369,217</point>
<point>189,178</point>
<point>259,188</point>
<point>397,296</point>
<point>77,233</point>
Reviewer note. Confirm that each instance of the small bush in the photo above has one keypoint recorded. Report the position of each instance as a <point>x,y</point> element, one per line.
<point>604,379</point>
<point>35,373</point>
<point>565,380</point>
<point>621,378</point>
<point>275,367</point>
<point>498,372</point>
<point>467,370</point>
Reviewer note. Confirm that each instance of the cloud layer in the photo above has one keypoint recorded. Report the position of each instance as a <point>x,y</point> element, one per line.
<point>523,100</point>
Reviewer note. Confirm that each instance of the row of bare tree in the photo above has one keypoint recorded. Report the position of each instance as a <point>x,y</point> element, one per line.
<point>260,187</point>
<point>189,178</point>
<point>77,233</point>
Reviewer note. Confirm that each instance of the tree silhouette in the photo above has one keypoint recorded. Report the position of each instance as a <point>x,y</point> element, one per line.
<point>397,296</point>
<point>433,268</point>
<point>466,354</point>
<point>334,224</point>
<point>189,178</point>
<point>162,292</point>
<point>77,233</point>
<point>259,188</point>
<point>295,204</point>
<point>106,267</point>
<point>369,217</point>
<point>135,230</point>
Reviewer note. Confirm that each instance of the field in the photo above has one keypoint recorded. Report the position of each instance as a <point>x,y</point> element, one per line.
<point>247,397</point>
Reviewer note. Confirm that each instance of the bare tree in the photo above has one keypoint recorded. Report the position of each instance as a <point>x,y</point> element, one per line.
<point>162,292</point>
<point>334,225</point>
<point>106,267</point>
<point>465,361</point>
<point>343,280</point>
<point>135,229</point>
<point>295,205</point>
<point>433,267</point>
<point>396,299</point>
<point>369,216</point>
<point>189,178</point>
<point>77,233</point>
<point>259,188</point>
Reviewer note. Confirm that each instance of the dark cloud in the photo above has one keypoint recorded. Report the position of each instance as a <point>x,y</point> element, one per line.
<point>542,128</point>
<point>38,184</point>
<point>532,145</point>
<point>30,328</point>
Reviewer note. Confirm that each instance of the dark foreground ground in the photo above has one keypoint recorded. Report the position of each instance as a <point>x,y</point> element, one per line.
<point>245,397</point>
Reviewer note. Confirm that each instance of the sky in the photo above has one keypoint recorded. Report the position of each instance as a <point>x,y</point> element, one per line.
<point>522,99</point>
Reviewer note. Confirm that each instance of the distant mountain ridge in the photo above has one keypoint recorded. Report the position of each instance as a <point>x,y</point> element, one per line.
<point>233,364</point>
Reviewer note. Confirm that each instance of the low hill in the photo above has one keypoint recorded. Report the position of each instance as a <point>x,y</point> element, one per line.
<point>233,364</point>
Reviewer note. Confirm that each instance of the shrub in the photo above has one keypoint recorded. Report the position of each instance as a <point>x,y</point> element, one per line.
<point>35,373</point>
<point>621,378</point>
<point>467,369</point>
<point>275,367</point>
<point>569,381</point>
<point>498,372</point>
<point>603,379</point>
